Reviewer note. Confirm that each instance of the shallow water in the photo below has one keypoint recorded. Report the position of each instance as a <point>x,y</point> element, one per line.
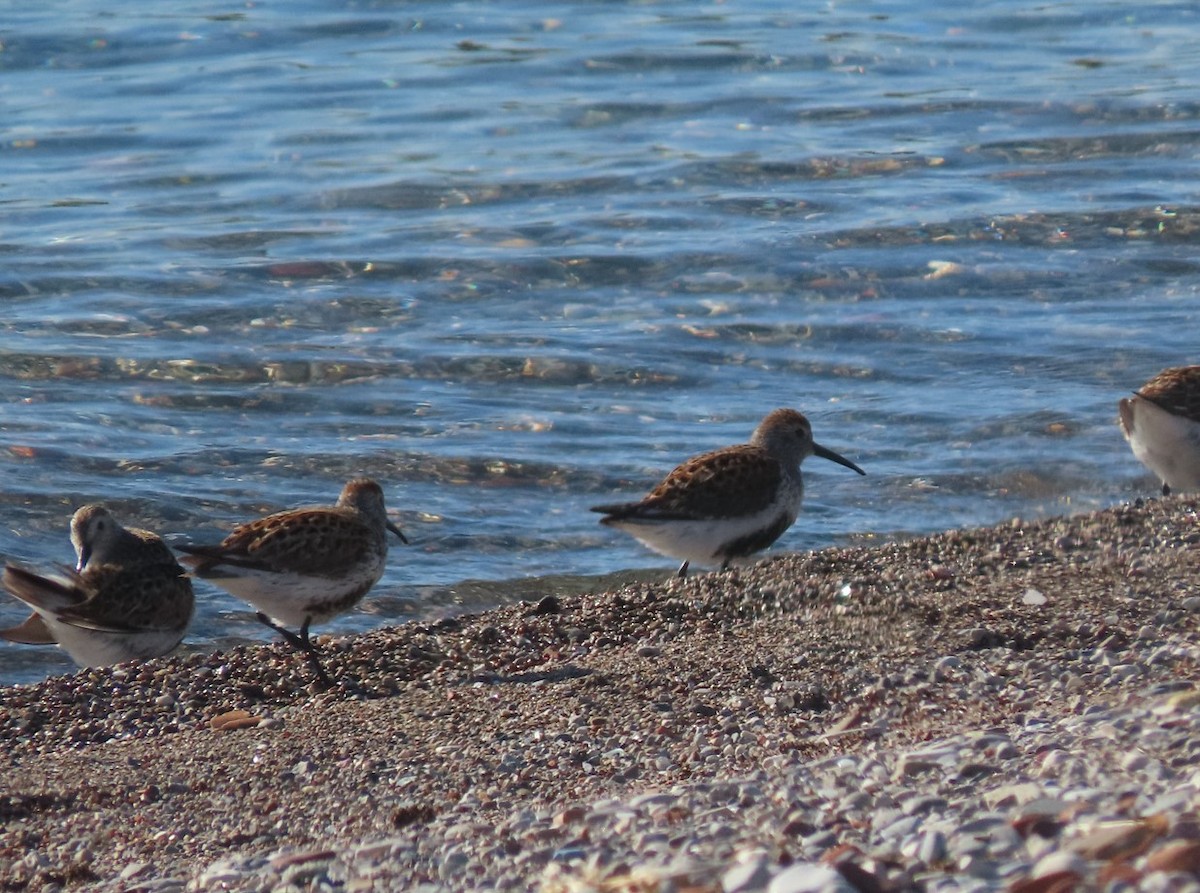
<point>513,261</point>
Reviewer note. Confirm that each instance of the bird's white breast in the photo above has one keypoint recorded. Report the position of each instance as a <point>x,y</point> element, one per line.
<point>1167,444</point>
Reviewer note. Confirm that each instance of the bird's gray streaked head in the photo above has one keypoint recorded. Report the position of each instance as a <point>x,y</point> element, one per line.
<point>787,435</point>
<point>366,496</point>
<point>94,533</point>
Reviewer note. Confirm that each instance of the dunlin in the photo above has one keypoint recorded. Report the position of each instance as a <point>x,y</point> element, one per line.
<point>1161,421</point>
<point>728,503</point>
<point>303,566</point>
<point>127,597</point>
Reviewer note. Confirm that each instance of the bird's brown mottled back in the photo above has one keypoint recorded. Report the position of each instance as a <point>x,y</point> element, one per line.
<point>1176,390</point>
<point>737,480</point>
<point>318,541</point>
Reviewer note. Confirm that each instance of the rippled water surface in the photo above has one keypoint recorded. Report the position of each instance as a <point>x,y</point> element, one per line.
<point>516,259</point>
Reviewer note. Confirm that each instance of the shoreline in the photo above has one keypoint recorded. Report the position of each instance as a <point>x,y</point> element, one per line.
<point>753,726</point>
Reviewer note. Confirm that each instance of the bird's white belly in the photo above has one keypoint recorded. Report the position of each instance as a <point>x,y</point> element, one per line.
<point>290,599</point>
<point>98,648</point>
<point>1167,444</point>
<point>700,541</point>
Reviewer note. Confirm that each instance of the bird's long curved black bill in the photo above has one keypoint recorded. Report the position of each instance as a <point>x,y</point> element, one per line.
<point>396,530</point>
<point>829,454</point>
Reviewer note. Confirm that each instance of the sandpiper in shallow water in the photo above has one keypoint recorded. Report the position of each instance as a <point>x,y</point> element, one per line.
<point>305,565</point>
<point>1161,421</point>
<point>727,503</point>
<point>126,599</point>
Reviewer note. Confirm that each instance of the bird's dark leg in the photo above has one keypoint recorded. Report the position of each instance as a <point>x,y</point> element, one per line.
<point>682,570</point>
<point>313,657</point>
<point>301,642</point>
<point>294,640</point>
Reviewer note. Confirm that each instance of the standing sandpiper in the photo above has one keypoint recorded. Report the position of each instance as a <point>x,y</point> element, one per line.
<point>305,565</point>
<point>1161,421</point>
<point>126,599</point>
<point>728,503</point>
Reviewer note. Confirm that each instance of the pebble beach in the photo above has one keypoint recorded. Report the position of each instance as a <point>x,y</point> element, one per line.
<point>1008,708</point>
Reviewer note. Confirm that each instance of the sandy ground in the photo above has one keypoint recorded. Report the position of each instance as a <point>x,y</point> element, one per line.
<point>147,770</point>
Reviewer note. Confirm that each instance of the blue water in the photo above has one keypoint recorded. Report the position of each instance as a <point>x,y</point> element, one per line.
<point>516,259</point>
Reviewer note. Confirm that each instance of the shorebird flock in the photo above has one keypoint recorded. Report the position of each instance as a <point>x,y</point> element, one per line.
<point>129,598</point>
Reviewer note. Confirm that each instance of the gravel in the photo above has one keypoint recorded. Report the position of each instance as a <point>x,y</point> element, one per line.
<point>1008,708</point>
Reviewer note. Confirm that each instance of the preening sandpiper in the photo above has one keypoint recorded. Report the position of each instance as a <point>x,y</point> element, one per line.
<point>126,599</point>
<point>305,565</point>
<point>1161,421</point>
<point>727,503</point>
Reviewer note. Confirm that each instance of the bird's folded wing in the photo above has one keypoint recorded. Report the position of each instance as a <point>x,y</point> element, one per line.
<point>734,481</point>
<point>318,541</point>
<point>51,591</point>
